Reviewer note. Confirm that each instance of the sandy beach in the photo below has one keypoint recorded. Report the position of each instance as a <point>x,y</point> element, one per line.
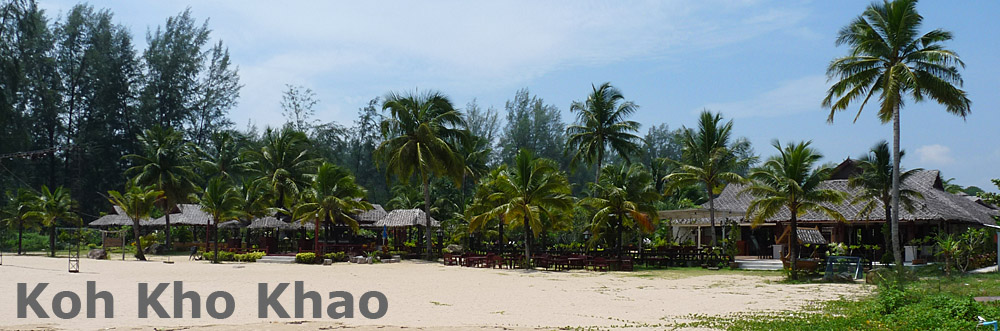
<point>421,295</point>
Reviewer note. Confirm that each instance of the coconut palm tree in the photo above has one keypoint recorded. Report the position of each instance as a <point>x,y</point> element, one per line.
<point>53,206</point>
<point>530,190</point>
<point>166,164</point>
<point>283,164</point>
<point>791,180</point>
<point>333,196</point>
<point>484,200</point>
<point>222,202</point>
<point>18,206</point>
<point>137,202</point>
<point>891,60</point>
<point>601,123</point>
<point>708,159</point>
<point>417,136</point>
<point>222,158</point>
<point>874,183</point>
<point>624,199</point>
<point>254,199</point>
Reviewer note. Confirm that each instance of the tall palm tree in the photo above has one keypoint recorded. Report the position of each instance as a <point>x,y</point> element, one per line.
<point>333,196</point>
<point>874,183</point>
<point>601,123</point>
<point>530,190</point>
<point>222,158</point>
<point>484,200</point>
<point>254,199</point>
<point>791,180</point>
<point>417,135</point>
<point>18,206</point>
<point>708,159</point>
<point>890,58</point>
<point>166,164</point>
<point>624,200</point>
<point>53,206</point>
<point>137,202</point>
<point>222,202</point>
<point>283,164</point>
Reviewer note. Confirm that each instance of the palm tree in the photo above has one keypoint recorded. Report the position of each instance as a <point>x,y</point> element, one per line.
<point>484,201</point>
<point>222,202</point>
<point>891,59</point>
<point>530,190</point>
<point>222,158</point>
<point>166,165</point>
<point>137,202</point>
<point>333,196</point>
<point>283,164</point>
<point>254,199</point>
<point>53,206</point>
<point>624,200</point>
<point>417,135</point>
<point>601,123</point>
<point>708,159</point>
<point>874,183</point>
<point>17,208</point>
<point>791,180</point>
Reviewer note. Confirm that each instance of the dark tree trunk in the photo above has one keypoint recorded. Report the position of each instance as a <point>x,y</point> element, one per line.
<point>793,245</point>
<point>711,213</point>
<point>896,251</point>
<point>527,244</point>
<point>52,239</point>
<point>166,216</point>
<point>20,232</point>
<point>501,243</point>
<point>138,243</point>
<point>427,218</point>
<point>316,236</point>
<point>215,230</point>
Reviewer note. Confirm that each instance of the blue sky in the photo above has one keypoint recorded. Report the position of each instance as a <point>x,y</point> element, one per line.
<point>761,63</point>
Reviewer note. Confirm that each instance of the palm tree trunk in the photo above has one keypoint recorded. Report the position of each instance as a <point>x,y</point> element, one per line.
<point>427,218</point>
<point>52,239</point>
<point>897,252</point>
<point>527,244</point>
<point>316,236</point>
<point>793,245</point>
<point>711,212</point>
<point>501,242</point>
<point>138,243</point>
<point>215,230</point>
<point>166,216</point>
<point>600,159</point>
<point>20,232</point>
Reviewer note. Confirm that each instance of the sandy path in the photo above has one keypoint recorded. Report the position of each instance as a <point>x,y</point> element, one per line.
<point>425,295</point>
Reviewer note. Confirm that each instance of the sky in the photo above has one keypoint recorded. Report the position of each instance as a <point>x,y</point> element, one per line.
<point>761,63</point>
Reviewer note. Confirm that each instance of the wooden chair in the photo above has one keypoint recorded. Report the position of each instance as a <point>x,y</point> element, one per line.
<point>599,264</point>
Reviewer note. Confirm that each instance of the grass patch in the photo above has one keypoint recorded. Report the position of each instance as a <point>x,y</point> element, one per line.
<point>930,303</point>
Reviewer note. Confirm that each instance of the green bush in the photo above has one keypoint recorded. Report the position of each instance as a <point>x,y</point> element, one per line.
<point>30,241</point>
<point>249,257</point>
<point>336,256</point>
<point>306,258</point>
<point>223,256</point>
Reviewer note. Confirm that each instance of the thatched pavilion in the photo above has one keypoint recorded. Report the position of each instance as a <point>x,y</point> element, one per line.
<point>938,211</point>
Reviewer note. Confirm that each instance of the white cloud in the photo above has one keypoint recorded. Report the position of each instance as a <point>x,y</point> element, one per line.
<point>935,154</point>
<point>790,97</point>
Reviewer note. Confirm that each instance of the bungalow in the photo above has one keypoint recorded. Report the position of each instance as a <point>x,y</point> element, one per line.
<point>938,211</point>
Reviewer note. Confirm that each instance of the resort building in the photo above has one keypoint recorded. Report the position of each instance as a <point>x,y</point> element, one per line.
<point>938,211</point>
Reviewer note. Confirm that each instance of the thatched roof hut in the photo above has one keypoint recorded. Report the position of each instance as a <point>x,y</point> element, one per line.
<point>370,217</point>
<point>937,204</point>
<point>805,236</point>
<point>405,217</point>
<point>117,219</point>
<point>267,222</point>
<point>186,214</point>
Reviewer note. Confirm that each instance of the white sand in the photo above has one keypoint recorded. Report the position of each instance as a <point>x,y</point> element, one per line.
<point>421,295</point>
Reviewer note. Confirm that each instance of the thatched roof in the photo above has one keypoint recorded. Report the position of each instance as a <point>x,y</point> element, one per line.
<point>937,205</point>
<point>117,219</point>
<point>369,217</point>
<point>805,236</point>
<point>234,224</point>
<point>186,214</point>
<point>267,222</point>
<point>405,217</point>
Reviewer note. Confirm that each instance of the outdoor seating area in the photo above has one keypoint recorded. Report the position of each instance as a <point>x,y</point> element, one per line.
<point>596,261</point>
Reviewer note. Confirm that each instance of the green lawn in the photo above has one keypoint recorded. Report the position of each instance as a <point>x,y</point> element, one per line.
<point>931,303</point>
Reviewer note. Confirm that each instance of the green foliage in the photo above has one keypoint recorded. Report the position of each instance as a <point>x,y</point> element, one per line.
<point>929,304</point>
<point>336,256</point>
<point>247,257</point>
<point>30,241</point>
<point>305,258</point>
<point>230,256</point>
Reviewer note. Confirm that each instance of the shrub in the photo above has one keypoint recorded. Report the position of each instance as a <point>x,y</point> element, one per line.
<point>336,256</point>
<point>306,258</point>
<point>249,257</point>
<point>30,241</point>
<point>223,256</point>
